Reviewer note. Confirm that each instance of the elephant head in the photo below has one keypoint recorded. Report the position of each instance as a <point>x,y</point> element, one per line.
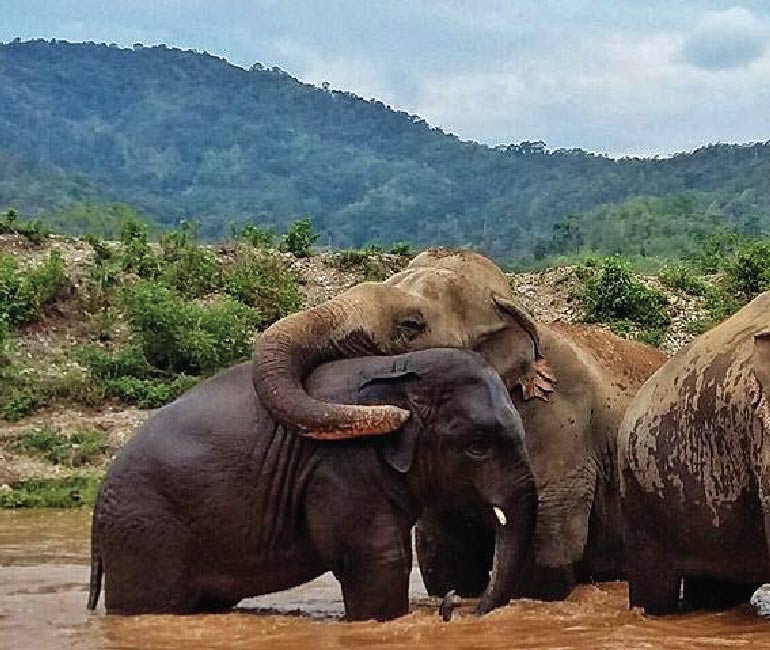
<point>464,444</point>
<point>443,299</point>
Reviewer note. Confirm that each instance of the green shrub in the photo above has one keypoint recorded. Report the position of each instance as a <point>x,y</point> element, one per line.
<point>183,336</point>
<point>721,302</point>
<point>81,448</point>
<point>263,280</point>
<point>136,255</point>
<point>300,238</point>
<point>70,492</point>
<point>403,248</point>
<point>34,231</point>
<point>149,393</point>
<point>367,263</point>
<point>194,273</point>
<point>25,293</point>
<point>126,375</point>
<point>610,292</point>
<point>682,278</point>
<point>748,273</point>
<point>258,237</point>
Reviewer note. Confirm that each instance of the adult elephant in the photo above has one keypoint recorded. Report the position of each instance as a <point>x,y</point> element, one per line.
<point>212,501</point>
<point>462,299</point>
<point>695,467</point>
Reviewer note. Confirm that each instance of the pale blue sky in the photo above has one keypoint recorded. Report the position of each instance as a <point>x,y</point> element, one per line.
<point>641,77</point>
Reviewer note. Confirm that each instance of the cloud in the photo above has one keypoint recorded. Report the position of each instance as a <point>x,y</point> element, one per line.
<point>722,40</point>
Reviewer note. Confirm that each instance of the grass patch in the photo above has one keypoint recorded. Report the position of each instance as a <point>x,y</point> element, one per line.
<point>70,492</point>
<point>81,448</point>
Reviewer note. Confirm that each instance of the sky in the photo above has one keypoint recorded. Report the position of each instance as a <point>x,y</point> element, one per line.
<point>642,77</point>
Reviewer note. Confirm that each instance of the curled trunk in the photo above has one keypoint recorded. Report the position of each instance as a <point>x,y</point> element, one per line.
<point>289,350</point>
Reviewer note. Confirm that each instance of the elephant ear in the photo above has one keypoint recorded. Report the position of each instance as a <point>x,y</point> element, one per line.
<point>539,379</point>
<point>761,359</point>
<point>397,448</point>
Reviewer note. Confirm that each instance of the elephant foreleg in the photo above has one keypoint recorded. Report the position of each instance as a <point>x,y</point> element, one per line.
<point>375,580</point>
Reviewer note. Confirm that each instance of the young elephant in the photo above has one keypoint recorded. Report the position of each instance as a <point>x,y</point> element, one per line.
<point>695,470</point>
<point>212,501</point>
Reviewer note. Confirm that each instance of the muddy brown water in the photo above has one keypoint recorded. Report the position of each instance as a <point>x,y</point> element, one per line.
<point>43,588</point>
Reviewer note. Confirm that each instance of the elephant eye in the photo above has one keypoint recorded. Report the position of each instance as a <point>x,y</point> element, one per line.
<point>411,326</point>
<point>478,449</point>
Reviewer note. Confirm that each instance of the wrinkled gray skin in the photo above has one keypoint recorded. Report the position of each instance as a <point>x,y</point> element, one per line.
<point>211,501</point>
<point>571,440</point>
<point>694,453</point>
<point>571,390</point>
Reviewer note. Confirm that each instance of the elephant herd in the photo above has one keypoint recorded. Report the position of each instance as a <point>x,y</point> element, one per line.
<point>525,457</point>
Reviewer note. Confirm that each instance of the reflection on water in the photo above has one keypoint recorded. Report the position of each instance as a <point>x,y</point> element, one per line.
<point>43,587</point>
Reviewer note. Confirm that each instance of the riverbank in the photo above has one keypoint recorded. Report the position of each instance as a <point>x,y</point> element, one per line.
<point>54,454</point>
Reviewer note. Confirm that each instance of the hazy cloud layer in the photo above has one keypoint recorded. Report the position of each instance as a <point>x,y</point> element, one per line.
<point>619,76</point>
<point>726,39</point>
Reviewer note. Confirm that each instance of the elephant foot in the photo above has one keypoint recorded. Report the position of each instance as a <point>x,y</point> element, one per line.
<point>714,594</point>
<point>548,583</point>
<point>656,591</point>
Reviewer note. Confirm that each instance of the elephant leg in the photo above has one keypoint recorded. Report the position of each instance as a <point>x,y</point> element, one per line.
<point>145,569</point>
<point>715,594</point>
<point>375,579</point>
<point>453,555</point>
<point>654,577</point>
<point>561,534</point>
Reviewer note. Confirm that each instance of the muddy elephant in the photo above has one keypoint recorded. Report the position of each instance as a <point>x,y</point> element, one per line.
<point>695,470</point>
<point>212,501</point>
<point>570,384</point>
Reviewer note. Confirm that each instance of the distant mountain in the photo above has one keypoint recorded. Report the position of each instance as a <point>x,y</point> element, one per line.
<point>187,135</point>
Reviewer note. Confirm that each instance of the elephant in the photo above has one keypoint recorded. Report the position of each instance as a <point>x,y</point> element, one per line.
<point>695,471</point>
<point>570,384</point>
<point>213,501</point>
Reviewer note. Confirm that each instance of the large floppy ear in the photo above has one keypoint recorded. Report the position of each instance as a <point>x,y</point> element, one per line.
<point>538,380</point>
<point>397,448</point>
<point>761,359</point>
<point>525,321</point>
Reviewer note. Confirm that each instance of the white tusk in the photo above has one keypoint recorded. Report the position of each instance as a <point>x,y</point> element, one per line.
<point>500,515</point>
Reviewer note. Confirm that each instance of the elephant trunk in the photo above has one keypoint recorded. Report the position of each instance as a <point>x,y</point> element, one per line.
<point>513,538</point>
<point>290,349</point>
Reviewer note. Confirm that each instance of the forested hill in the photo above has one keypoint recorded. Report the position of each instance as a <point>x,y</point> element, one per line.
<point>187,135</point>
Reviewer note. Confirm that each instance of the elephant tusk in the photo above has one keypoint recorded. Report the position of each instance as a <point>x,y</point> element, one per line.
<point>500,515</point>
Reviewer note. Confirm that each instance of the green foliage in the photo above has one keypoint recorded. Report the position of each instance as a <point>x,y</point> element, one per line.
<point>682,278</point>
<point>367,263</point>
<point>402,248</point>
<point>258,237</point>
<point>103,220</point>
<point>748,273</point>
<point>70,492</point>
<point>24,293</point>
<point>126,375</point>
<point>81,448</point>
<point>300,238</point>
<point>262,279</point>
<point>34,230</point>
<point>184,336</point>
<point>149,126</point>
<point>189,268</point>
<point>713,250</point>
<point>611,294</point>
<point>137,256</point>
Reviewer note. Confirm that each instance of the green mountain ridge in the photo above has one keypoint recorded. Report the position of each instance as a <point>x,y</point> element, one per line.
<point>183,135</point>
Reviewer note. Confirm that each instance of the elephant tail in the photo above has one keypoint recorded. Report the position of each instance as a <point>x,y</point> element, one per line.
<point>95,586</point>
<point>97,566</point>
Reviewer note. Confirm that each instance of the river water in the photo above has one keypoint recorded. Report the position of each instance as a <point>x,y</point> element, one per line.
<point>43,589</point>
